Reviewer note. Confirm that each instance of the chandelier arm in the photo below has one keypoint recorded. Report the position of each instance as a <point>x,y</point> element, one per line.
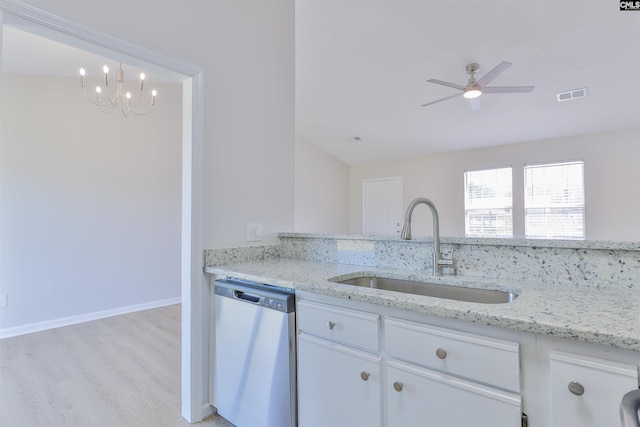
<point>118,95</point>
<point>94,102</point>
<point>106,109</point>
<point>125,110</point>
<point>143,114</point>
<point>134,103</point>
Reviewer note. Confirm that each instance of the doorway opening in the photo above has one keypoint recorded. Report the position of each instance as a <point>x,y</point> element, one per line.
<point>43,24</point>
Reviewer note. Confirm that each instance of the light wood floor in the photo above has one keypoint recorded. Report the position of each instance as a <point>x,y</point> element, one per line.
<point>121,371</point>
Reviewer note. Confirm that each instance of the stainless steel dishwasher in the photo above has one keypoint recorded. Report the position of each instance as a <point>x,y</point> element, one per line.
<point>254,375</point>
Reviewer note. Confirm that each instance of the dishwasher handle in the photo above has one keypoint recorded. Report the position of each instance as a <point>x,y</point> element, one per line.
<point>246,297</point>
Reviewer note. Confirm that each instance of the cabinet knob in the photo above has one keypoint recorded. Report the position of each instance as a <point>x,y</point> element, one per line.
<point>364,375</point>
<point>576,388</point>
<point>441,353</point>
<point>397,386</point>
<point>331,324</point>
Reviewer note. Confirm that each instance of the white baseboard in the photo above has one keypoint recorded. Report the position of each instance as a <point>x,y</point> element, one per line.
<point>66,321</point>
<point>207,411</point>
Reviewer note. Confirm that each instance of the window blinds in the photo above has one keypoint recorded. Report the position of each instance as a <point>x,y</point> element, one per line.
<point>554,201</point>
<point>488,203</point>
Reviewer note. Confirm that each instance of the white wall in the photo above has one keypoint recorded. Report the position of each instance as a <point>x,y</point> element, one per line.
<point>90,212</point>
<point>246,49</point>
<point>321,190</point>
<point>612,186</point>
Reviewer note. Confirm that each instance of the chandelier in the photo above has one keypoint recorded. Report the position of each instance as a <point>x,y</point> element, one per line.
<point>119,98</point>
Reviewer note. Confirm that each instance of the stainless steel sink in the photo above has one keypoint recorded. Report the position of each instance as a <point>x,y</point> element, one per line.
<point>460,293</point>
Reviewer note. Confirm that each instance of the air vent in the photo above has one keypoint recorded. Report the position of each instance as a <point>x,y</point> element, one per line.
<point>572,94</point>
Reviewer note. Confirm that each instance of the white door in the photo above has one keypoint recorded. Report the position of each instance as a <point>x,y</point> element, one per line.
<point>418,397</point>
<point>337,386</point>
<point>382,210</point>
<point>586,392</point>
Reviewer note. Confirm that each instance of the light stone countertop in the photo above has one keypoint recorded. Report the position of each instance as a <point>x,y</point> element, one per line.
<point>601,316</point>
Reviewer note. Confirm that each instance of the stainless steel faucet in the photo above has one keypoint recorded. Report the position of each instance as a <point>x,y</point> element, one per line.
<point>438,262</point>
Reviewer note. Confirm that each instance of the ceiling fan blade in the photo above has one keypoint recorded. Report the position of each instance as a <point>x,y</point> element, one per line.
<point>508,89</point>
<point>440,82</point>
<point>443,99</point>
<point>497,70</point>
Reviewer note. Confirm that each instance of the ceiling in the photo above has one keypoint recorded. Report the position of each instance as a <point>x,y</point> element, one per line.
<point>362,68</point>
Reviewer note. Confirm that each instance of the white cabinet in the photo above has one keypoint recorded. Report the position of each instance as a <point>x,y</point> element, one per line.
<point>587,391</point>
<point>339,369</point>
<point>418,397</point>
<point>449,372</point>
<point>418,375</point>
<point>337,385</point>
<point>451,378</point>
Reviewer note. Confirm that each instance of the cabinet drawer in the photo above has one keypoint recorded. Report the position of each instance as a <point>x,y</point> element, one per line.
<point>488,360</point>
<point>351,327</point>
<point>586,391</point>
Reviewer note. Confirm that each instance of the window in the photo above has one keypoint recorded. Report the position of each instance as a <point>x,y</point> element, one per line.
<point>488,203</point>
<point>554,201</point>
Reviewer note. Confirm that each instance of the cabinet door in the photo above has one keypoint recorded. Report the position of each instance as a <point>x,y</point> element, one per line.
<point>421,397</point>
<point>337,386</point>
<point>586,392</point>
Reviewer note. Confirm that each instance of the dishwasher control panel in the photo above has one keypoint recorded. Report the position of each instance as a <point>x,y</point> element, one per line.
<point>271,297</point>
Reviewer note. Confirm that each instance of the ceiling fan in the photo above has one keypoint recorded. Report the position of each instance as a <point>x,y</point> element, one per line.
<point>474,88</point>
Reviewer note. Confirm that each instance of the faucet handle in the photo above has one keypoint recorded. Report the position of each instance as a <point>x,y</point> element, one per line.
<point>443,263</point>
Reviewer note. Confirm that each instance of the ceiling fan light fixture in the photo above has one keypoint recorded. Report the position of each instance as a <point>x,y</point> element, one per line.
<point>472,92</point>
<point>474,88</point>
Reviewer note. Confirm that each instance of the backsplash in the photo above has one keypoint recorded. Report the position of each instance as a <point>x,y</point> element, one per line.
<point>577,263</point>
<point>569,266</point>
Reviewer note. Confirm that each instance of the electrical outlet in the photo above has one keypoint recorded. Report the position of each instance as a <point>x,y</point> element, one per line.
<point>3,301</point>
<point>254,232</point>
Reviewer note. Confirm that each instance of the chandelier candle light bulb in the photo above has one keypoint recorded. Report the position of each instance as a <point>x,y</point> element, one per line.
<point>105,70</point>
<point>122,99</point>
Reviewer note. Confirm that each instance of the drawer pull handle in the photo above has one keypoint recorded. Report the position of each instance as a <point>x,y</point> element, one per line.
<point>576,388</point>
<point>364,375</point>
<point>398,386</point>
<point>331,324</point>
<point>441,353</point>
